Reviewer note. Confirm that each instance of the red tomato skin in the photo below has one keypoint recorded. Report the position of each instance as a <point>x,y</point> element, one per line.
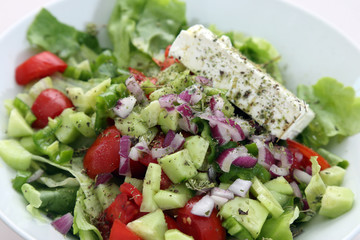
<point>122,209</point>
<point>307,154</point>
<point>200,228</point>
<point>165,181</point>
<point>50,103</point>
<point>171,223</point>
<point>103,155</point>
<point>137,169</point>
<point>38,66</point>
<point>132,192</point>
<point>120,231</point>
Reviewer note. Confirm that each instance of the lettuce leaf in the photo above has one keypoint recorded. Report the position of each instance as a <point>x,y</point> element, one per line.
<point>137,28</point>
<point>337,112</point>
<point>49,34</point>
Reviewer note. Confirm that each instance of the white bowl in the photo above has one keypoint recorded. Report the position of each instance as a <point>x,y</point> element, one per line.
<point>310,49</point>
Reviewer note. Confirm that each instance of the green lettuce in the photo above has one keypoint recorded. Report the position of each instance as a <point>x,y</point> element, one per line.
<point>49,34</point>
<point>137,28</point>
<point>337,112</point>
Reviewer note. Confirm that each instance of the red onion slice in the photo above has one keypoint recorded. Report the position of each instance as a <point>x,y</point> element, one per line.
<point>240,187</point>
<point>103,178</point>
<point>136,150</point>
<point>238,156</point>
<point>191,95</point>
<point>185,123</point>
<point>135,89</point>
<point>168,138</point>
<point>63,224</point>
<point>125,144</point>
<point>124,106</point>
<point>222,193</point>
<point>204,81</point>
<point>167,101</point>
<point>297,191</point>
<point>35,176</point>
<point>176,143</point>
<point>301,176</point>
<point>203,207</point>
<point>265,157</point>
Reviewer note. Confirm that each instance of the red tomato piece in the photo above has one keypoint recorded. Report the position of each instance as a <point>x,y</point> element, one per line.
<point>171,223</point>
<point>200,228</point>
<point>103,155</point>
<point>49,104</point>
<point>39,66</point>
<point>139,76</point>
<point>165,181</point>
<point>137,169</point>
<point>307,154</point>
<point>120,231</point>
<point>132,192</point>
<point>168,60</point>
<point>146,159</point>
<point>122,209</point>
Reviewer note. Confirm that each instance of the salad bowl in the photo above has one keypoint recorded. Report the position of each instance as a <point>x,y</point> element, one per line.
<point>309,48</point>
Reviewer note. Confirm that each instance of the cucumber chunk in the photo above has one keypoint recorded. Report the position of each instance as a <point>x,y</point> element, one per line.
<point>336,201</point>
<point>168,120</point>
<point>266,198</point>
<point>15,155</point>
<point>197,147</point>
<point>150,113</point>
<point>17,125</point>
<point>248,212</point>
<point>280,185</point>
<point>132,125</point>
<point>174,234</point>
<point>333,176</point>
<point>150,227</point>
<point>178,166</point>
<point>67,132</point>
<point>234,228</point>
<point>169,200</point>
<point>82,123</point>
<point>151,186</point>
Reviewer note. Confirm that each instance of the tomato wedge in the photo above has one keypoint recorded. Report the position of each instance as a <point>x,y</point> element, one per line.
<point>132,192</point>
<point>103,155</point>
<point>120,231</point>
<point>307,153</point>
<point>49,104</point>
<point>123,209</point>
<point>38,66</point>
<point>168,60</point>
<point>200,228</point>
<point>171,223</point>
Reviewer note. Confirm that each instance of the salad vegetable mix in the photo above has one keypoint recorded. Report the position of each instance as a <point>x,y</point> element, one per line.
<point>172,133</point>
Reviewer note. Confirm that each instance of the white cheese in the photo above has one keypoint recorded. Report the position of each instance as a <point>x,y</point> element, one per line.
<point>248,87</point>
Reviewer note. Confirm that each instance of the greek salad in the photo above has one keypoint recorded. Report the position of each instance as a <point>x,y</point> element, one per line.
<point>177,132</point>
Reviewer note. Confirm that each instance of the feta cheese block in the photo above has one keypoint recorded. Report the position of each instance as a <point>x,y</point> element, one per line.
<point>248,87</point>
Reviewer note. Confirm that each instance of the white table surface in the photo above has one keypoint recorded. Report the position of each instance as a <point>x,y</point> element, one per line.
<point>344,15</point>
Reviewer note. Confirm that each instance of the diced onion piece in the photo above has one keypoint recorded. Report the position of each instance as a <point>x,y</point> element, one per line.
<point>240,187</point>
<point>124,106</point>
<point>191,95</point>
<point>222,193</point>
<point>295,187</point>
<point>265,157</point>
<point>185,123</point>
<point>219,201</point>
<point>167,101</point>
<point>103,178</point>
<point>279,171</point>
<point>137,149</point>
<point>238,156</point>
<point>203,207</point>
<point>168,138</point>
<point>301,176</point>
<point>204,81</point>
<point>135,89</point>
<point>176,143</point>
<point>35,176</point>
<point>63,224</point>
<point>125,144</point>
